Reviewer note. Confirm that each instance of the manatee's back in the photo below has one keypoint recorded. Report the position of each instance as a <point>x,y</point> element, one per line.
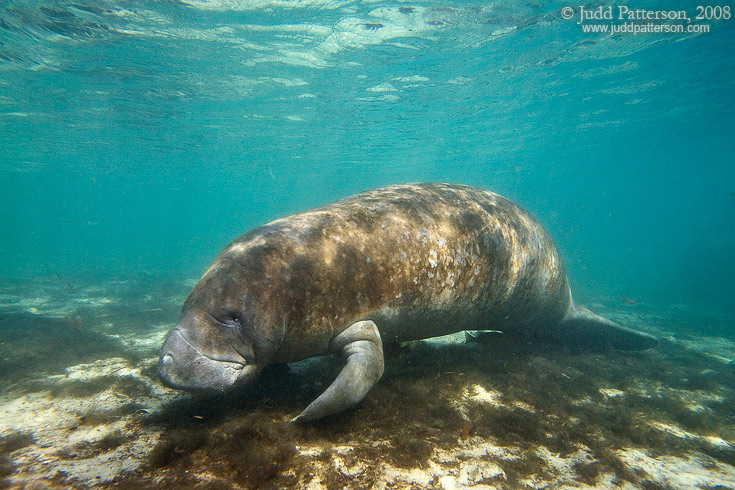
<point>440,258</point>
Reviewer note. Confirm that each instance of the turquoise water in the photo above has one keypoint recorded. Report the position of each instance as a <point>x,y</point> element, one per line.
<point>141,137</point>
<point>138,138</point>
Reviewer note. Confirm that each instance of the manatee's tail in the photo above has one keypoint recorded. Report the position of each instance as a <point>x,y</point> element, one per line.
<point>586,329</point>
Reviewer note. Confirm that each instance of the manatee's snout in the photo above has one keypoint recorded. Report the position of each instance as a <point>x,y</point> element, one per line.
<point>204,354</point>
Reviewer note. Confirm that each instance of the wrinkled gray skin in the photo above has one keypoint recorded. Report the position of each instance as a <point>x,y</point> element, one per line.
<point>394,264</point>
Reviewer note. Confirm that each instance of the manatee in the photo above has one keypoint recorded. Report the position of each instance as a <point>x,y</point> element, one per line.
<point>395,264</point>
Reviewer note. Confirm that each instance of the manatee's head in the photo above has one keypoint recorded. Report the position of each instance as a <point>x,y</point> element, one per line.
<point>203,353</point>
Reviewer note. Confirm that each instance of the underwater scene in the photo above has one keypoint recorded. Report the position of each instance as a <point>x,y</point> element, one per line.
<point>428,328</point>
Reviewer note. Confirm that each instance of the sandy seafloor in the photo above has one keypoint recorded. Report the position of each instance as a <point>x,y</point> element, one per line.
<point>81,406</point>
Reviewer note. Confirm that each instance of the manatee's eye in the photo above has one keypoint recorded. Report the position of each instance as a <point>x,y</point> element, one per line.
<point>241,323</point>
<point>233,322</point>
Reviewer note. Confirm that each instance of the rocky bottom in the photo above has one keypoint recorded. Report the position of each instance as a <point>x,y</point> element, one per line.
<point>81,407</point>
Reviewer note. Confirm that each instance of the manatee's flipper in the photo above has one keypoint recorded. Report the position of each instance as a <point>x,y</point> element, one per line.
<point>481,336</point>
<point>360,344</point>
<point>586,329</point>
